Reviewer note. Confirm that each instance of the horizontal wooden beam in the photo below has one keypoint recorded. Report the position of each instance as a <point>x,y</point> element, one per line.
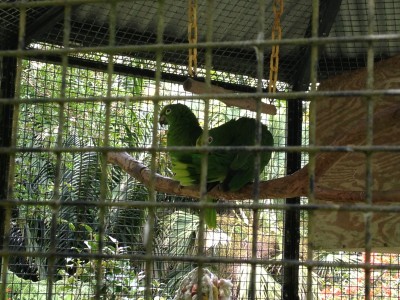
<point>249,103</point>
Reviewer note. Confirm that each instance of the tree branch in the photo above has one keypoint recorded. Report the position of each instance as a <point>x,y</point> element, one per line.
<point>294,185</point>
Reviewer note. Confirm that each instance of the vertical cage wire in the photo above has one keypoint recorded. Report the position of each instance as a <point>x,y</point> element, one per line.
<point>369,142</point>
<point>53,249</point>
<point>7,185</point>
<point>312,132</point>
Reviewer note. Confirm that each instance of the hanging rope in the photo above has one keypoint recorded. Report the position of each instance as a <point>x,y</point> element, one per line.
<point>192,37</point>
<point>276,35</point>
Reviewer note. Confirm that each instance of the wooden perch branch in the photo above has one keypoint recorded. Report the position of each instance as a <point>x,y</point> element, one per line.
<point>198,87</point>
<point>294,185</point>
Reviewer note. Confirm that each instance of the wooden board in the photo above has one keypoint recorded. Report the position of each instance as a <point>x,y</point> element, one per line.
<point>335,118</point>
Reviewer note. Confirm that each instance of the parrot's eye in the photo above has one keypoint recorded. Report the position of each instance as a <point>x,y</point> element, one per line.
<point>210,139</point>
<point>167,111</point>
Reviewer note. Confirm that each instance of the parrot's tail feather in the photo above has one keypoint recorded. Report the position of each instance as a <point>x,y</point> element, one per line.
<point>210,217</point>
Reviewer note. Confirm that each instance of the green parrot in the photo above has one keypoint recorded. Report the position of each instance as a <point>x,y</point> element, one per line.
<point>233,169</point>
<point>183,130</point>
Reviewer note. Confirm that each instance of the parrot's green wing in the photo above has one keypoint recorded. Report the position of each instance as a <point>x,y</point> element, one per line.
<point>241,170</point>
<point>235,168</point>
<point>219,160</point>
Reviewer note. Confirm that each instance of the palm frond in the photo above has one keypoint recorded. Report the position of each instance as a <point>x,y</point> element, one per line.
<point>176,235</point>
<point>126,223</point>
<point>335,259</point>
<point>266,286</point>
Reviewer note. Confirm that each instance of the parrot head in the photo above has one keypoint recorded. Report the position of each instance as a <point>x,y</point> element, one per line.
<point>174,113</point>
<point>200,142</point>
<point>164,115</point>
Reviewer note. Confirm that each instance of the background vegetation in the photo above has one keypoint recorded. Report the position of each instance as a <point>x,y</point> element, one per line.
<point>77,226</point>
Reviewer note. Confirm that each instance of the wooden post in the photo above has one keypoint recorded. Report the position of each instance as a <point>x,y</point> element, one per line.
<point>249,103</point>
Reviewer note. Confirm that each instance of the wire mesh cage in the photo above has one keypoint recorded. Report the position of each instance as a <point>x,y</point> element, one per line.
<point>92,202</point>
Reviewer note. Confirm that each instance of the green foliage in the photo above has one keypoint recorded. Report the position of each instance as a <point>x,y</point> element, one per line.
<point>340,281</point>
<point>118,278</point>
<point>131,125</point>
<point>80,179</point>
<point>177,237</point>
<point>79,172</point>
<point>119,281</point>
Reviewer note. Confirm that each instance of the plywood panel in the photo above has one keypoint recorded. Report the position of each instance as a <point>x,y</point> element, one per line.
<point>337,117</point>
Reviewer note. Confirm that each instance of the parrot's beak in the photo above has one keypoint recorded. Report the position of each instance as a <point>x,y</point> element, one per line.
<point>163,120</point>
